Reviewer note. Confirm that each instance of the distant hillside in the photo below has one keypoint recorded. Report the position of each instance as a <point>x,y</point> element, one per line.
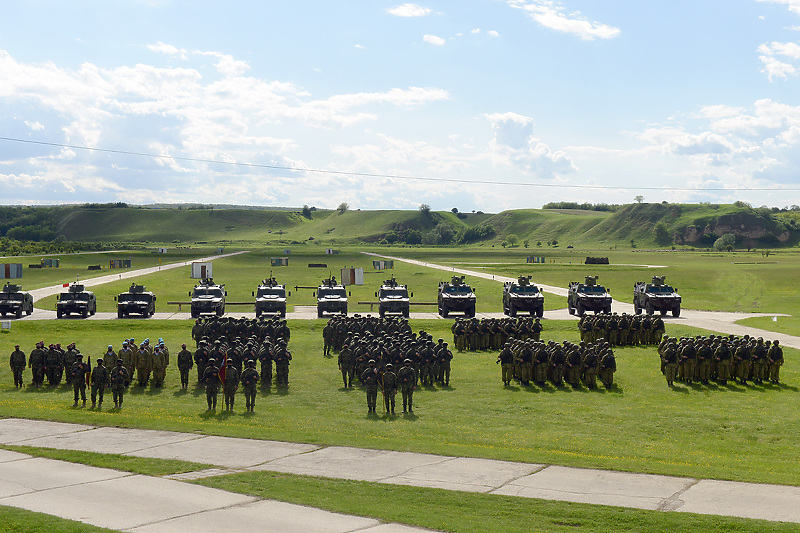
<point>647,225</point>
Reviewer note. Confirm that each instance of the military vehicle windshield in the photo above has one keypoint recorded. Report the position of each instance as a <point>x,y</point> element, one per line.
<point>328,292</point>
<point>133,297</point>
<point>78,296</point>
<point>394,293</point>
<point>11,296</point>
<point>591,289</point>
<point>526,289</point>
<point>457,289</point>
<point>270,291</point>
<point>203,291</point>
<point>663,289</point>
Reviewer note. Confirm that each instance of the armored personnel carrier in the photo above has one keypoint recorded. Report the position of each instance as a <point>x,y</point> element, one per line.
<point>455,295</point>
<point>522,295</point>
<point>393,298</point>
<point>15,302</point>
<point>271,298</point>
<point>76,300</point>
<point>136,300</point>
<point>656,296</point>
<point>331,297</point>
<point>208,298</point>
<point>588,296</point>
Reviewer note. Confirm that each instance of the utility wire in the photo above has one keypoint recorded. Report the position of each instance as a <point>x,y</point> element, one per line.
<point>395,176</point>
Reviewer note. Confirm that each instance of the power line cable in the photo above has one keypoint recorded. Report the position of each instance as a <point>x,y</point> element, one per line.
<point>399,176</point>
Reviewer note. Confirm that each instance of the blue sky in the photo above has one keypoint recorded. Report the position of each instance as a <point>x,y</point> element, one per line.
<point>497,104</point>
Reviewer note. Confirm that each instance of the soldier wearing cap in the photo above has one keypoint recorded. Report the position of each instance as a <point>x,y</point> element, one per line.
<point>211,381</point>
<point>249,384</point>
<point>17,362</point>
<point>371,379</point>
<point>389,384</point>
<point>185,364</point>
<point>230,385</point>
<point>80,374</point>
<point>407,377</point>
<point>36,364</point>
<point>347,365</point>
<point>99,381</point>
<point>110,357</point>
<point>119,378</point>
<point>775,361</point>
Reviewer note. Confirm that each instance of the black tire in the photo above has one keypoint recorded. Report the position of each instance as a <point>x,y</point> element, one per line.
<point>676,311</point>
<point>539,312</point>
<point>84,313</point>
<point>608,310</point>
<point>283,313</point>
<point>382,312</point>
<point>512,310</point>
<point>29,311</point>
<point>344,311</point>
<point>444,311</point>
<point>471,311</point>
<point>649,308</point>
<point>258,313</point>
<point>637,309</point>
<point>220,311</point>
<point>570,310</point>
<point>120,314</point>
<point>59,313</point>
<point>319,312</point>
<point>580,309</point>
<point>194,313</point>
<point>19,313</point>
<point>406,313</point>
<point>664,312</point>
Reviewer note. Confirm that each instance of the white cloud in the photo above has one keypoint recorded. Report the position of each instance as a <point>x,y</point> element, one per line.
<point>551,14</point>
<point>433,39</point>
<point>476,31</point>
<point>409,10</point>
<point>35,126</point>
<point>168,49</point>
<point>360,47</point>
<point>492,33</point>
<point>792,5</point>
<point>776,68</point>
<point>515,145</point>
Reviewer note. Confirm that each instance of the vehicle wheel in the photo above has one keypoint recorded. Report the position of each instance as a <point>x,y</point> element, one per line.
<point>471,311</point>
<point>258,313</point>
<point>539,312</point>
<point>649,308</point>
<point>608,310</point>
<point>580,309</point>
<point>444,311</point>
<point>571,310</point>
<point>637,309</point>
<point>676,311</point>
<point>381,312</point>
<point>344,311</point>
<point>283,313</point>
<point>220,311</point>
<point>120,314</point>
<point>19,313</point>
<point>663,312</point>
<point>319,312</point>
<point>59,314</point>
<point>29,311</point>
<point>85,312</point>
<point>194,313</point>
<point>512,310</point>
<point>405,313</point>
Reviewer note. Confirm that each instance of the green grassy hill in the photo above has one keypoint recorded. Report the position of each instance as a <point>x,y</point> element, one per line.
<point>647,225</point>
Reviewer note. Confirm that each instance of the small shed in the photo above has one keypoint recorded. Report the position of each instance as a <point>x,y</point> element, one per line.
<point>201,270</point>
<point>331,251</point>
<point>352,276</point>
<point>11,270</point>
<point>279,261</point>
<point>119,263</point>
<point>382,265</point>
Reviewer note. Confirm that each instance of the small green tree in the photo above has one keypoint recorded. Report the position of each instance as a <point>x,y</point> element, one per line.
<point>504,244</point>
<point>512,239</point>
<point>307,212</point>
<point>661,234</point>
<point>725,243</point>
<point>343,207</point>
<point>526,243</point>
<point>425,209</point>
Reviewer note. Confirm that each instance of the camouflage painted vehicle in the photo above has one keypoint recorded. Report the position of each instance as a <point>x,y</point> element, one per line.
<point>76,300</point>
<point>455,295</point>
<point>15,302</point>
<point>271,298</point>
<point>331,297</point>
<point>137,300</point>
<point>656,296</point>
<point>208,298</point>
<point>588,296</point>
<point>522,295</point>
<point>393,298</point>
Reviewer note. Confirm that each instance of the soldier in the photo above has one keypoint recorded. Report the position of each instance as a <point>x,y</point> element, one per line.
<point>99,381</point>
<point>327,339</point>
<point>742,358</point>
<point>703,355</point>
<point>142,361</point>
<point>723,357</point>
<point>126,354</point>
<point>389,384</point>
<point>407,377</point>
<point>590,368</point>
<point>110,357</point>
<point>17,362</point>
<point>80,373</point>
<point>201,356</point>
<point>119,380</point>
<point>370,378</point>
<point>445,357</point>
<point>572,368</point>
<point>265,358</point>
<point>506,361</point>
<point>758,355</point>
<point>282,356</point>
<point>608,365</point>
<point>160,362</point>
<point>346,365</point>
<point>185,364</point>
<point>249,383</point>
<point>669,361</point>
<point>52,365</point>
<point>230,385</point>
<point>212,382</point>
<point>536,330</point>
<point>775,360</point>
<point>197,332</point>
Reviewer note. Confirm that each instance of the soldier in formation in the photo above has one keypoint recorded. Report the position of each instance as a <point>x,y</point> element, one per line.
<point>79,372</point>
<point>99,380</point>
<point>576,364</point>
<point>622,329</point>
<point>185,364</point>
<point>340,328</point>
<point>250,384</point>
<point>230,384</point>
<point>119,379</point>
<point>475,334</point>
<point>371,378</point>
<point>17,362</point>
<point>720,358</point>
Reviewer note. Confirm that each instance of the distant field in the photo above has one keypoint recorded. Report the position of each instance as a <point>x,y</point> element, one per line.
<point>736,432</point>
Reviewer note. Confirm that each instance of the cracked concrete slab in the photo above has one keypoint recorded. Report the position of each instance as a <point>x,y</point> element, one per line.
<point>351,463</point>
<point>38,474</point>
<point>464,474</point>
<point>228,452</point>
<point>17,430</point>
<point>745,500</point>
<point>7,456</point>
<point>266,514</point>
<point>600,487</point>
<point>111,440</point>
<point>126,502</point>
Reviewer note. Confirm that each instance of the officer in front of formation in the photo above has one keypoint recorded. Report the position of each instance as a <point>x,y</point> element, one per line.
<point>17,362</point>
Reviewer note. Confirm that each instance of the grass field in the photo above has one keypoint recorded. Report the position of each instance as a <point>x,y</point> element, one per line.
<point>733,432</point>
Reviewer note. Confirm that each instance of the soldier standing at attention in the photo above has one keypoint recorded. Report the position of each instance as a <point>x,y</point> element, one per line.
<point>119,380</point>
<point>126,354</point>
<point>506,360</point>
<point>249,384</point>
<point>389,383</point>
<point>370,378</point>
<point>669,361</point>
<point>231,385</point>
<point>282,356</point>
<point>775,359</point>
<point>327,339</point>
<point>346,365</point>
<point>608,365</point>
<point>212,382</point>
<point>160,362</point>
<point>184,365</point>
<point>407,377</point>
<point>80,373</point>
<point>99,381</point>
<point>17,362</point>
<point>201,360</point>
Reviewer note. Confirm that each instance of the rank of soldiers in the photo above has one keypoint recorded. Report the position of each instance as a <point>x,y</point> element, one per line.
<point>703,359</point>
<point>530,360</point>
<point>621,329</point>
<point>493,333</point>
